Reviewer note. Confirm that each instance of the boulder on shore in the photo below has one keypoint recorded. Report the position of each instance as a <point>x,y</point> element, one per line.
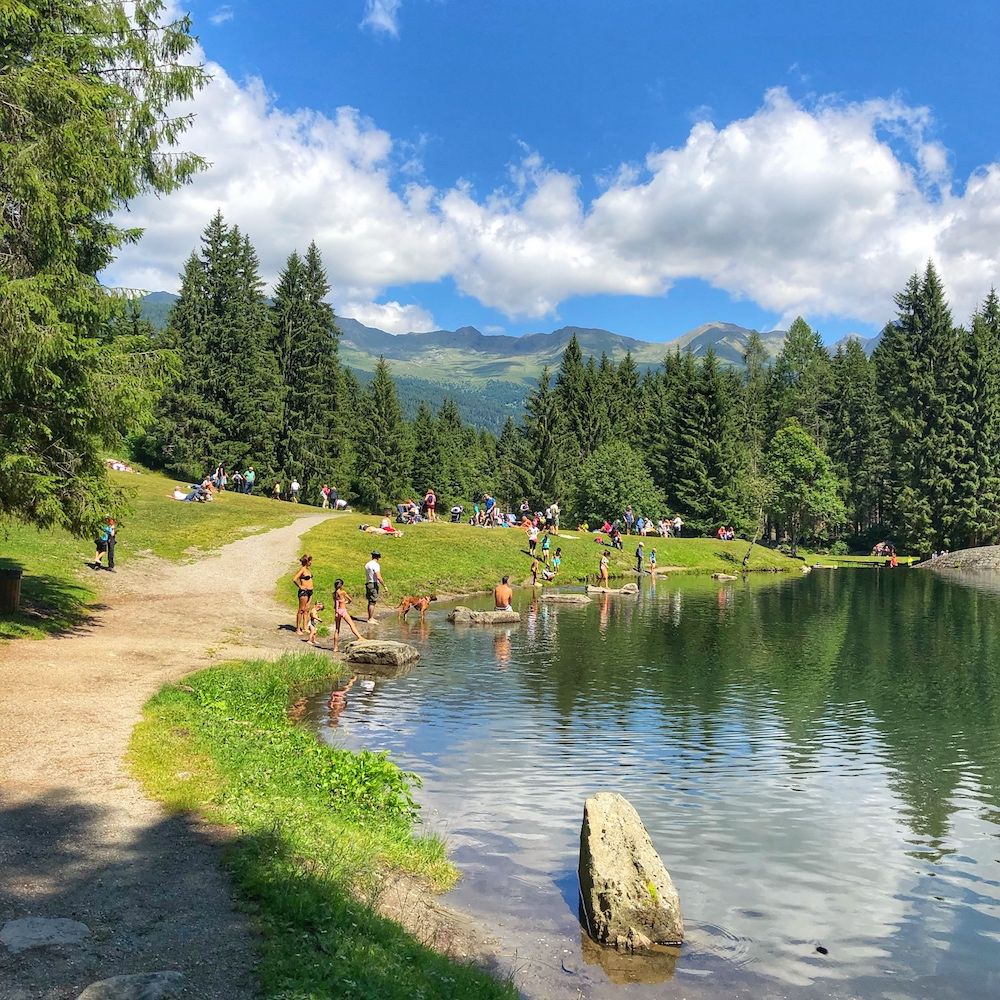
<point>467,616</point>
<point>628,897</point>
<point>145,986</point>
<point>383,652</point>
<point>558,598</point>
<point>626,588</point>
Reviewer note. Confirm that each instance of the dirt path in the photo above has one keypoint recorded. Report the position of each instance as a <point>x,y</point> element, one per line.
<point>78,839</point>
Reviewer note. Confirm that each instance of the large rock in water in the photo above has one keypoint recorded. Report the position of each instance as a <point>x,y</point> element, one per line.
<point>628,897</point>
<point>384,652</point>
<point>984,559</point>
<point>561,598</point>
<point>628,588</point>
<point>470,617</point>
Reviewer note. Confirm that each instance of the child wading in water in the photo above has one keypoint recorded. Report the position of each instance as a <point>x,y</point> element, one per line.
<point>534,572</point>
<point>340,601</point>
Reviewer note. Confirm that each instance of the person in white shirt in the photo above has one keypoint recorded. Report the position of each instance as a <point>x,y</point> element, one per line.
<point>295,490</point>
<point>373,582</point>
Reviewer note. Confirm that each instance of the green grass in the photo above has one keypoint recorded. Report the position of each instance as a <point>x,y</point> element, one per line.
<point>317,829</point>
<point>448,558</point>
<point>59,591</point>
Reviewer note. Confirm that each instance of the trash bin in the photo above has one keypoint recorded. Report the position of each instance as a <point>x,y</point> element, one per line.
<point>10,591</point>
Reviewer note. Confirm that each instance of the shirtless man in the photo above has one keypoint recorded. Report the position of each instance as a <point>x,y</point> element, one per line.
<point>503,595</point>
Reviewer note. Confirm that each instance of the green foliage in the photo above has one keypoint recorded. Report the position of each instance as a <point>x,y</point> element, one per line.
<point>317,831</point>
<point>805,488</point>
<point>545,425</point>
<point>88,93</point>
<point>613,477</point>
<point>383,446</point>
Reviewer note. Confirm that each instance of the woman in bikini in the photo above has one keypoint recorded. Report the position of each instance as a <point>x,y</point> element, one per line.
<point>303,580</point>
<point>341,598</point>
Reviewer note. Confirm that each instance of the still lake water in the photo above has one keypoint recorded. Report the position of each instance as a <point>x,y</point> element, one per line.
<point>817,761</point>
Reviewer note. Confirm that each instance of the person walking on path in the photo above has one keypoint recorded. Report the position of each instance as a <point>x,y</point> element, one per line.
<point>373,582</point>
<point>303,580</point>
<point>638,558</point>
<point>341,598</point>
<point>503,595</point>
<point>602,570</point>
<point>295,490</point>
<point>276,492</point>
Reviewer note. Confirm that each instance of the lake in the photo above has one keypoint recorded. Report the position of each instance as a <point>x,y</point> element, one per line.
<point>817,761</point>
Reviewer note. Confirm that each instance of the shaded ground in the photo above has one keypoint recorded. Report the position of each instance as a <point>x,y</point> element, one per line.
<point>77,837</point>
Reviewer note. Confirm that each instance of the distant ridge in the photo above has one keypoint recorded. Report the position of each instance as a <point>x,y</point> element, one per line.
<point>490,375</point>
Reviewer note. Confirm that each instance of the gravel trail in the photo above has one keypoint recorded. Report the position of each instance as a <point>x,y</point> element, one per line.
<point>78,839</point>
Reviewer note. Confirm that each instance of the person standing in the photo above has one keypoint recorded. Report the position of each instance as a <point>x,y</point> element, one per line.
<point>276,492</point>
<point>249,478</point>
<point>638,558</point>
<point>602,570</point>
<point>555,516</point>
<point>112,541</point>
<point>101,543</point>
<point>546,545</point>
<point>430,502</point>
<point>652,562</point>
<point>325,491</point>
<point>340,601</point>
<point>629,519</point>
<point>373,582</point>
<point>532,539</point>
<point>294,488</point>
<point>303,580</point>
<point>678,524</point>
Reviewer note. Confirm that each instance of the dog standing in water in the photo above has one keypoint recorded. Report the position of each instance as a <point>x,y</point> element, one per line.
<point>420,603</point>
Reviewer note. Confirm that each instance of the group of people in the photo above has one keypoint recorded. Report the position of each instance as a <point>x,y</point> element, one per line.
<point>308,615</point>
<point>726,533</point>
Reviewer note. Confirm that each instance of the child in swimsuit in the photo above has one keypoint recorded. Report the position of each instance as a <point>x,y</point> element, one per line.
<point>340,601</point>
<point>314,620</point>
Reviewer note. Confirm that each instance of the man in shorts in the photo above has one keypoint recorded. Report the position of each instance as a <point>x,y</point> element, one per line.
<point>503,595</point>
<point>373,582</point>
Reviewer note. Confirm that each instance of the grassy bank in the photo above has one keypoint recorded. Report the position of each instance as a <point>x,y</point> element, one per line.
<point>316,829</point>
<point>59,590</point>
<point>457,558</point>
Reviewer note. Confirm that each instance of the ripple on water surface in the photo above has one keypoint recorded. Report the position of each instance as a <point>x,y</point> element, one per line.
<point>816,761</point>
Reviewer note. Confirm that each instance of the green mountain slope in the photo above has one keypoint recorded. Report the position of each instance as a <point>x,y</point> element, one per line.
<point>489,376</point>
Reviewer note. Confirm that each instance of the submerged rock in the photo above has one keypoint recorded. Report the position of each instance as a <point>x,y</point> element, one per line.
<point>41,932</point>
<point>470,617</point>
<point>381,651</point>
<point>558,598</point>
<point>723,576</point>
<point>630,589</point>
<point>628,897</point>
<point>146,986</point>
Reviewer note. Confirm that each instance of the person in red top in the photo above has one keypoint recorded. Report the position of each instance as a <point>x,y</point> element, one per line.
<point>430,501</point>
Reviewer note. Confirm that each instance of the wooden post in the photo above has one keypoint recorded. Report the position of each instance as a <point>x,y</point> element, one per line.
<point>10,591</point>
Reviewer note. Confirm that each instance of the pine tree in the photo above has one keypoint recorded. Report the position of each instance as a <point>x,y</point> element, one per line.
<point>383,448</point>
<point>304,342</point>
<point>428,466</point>
<point>226,407</point>
<point>89,97</point>
<point>628,418</point>
<point>514,466</point>
<point>857,436</point>
<point>802,371</point>
<point>546,438</point>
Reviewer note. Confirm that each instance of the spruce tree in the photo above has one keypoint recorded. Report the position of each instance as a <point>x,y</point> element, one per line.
<point>383,447</point>
<point>546,434</point>
<point>428,467</point>
<point>628,417</point>
<point>802,372</point>
<point>304,342</point>
<point>514,466</point>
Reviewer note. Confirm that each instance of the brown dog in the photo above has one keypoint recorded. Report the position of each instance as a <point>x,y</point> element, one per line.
<point>420,603</point>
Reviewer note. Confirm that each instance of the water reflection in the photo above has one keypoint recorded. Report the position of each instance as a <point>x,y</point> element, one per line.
<point>816,760</point>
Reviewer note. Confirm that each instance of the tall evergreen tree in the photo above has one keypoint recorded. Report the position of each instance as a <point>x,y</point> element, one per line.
<point>226,406</point>
<point>628,418</point>
<point>514,466</point>
<point>304,342</point>
<point>546,434</point>
<point>802,371</point>
<point>383,450</point>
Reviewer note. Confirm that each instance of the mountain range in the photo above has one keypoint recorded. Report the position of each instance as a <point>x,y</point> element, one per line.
<point>489,376</point>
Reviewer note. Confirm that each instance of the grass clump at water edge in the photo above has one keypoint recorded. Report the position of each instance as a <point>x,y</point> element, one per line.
<point>317,830</point>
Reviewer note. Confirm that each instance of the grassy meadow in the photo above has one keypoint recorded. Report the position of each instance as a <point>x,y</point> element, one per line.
<point>59,589</point>
<point>317,829</point>
<point>444,558</point>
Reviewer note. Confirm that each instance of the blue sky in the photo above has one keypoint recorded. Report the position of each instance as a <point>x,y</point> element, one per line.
<point>642,166</point>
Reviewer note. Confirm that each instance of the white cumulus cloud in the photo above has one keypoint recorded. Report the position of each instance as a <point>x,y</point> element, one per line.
<point>822,209</point>
<point>224,14</point>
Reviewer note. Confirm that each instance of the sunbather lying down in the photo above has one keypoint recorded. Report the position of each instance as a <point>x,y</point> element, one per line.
<point>372,530</point>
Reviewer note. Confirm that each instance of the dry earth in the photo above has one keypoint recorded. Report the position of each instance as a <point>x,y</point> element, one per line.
<point>78,839</point>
